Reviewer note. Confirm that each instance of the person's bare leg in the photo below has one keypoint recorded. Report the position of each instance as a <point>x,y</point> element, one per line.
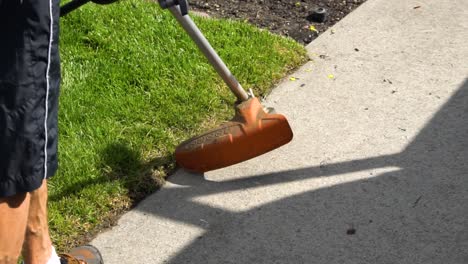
<point>13,218</point>
<point>37,246</point>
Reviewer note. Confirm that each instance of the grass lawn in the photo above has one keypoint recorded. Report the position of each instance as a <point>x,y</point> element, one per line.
<point>134,86</point>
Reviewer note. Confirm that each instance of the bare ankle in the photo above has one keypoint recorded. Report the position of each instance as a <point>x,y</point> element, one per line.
<point>37,247</point>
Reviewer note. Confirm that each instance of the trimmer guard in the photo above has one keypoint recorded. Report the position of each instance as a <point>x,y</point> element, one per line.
<point>252,132</point>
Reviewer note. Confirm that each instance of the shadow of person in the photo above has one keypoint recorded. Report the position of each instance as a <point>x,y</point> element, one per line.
<point>119,162</point>
<point>413,209</point>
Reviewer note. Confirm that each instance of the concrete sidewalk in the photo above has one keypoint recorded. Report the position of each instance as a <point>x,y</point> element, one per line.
<point>377,171</point>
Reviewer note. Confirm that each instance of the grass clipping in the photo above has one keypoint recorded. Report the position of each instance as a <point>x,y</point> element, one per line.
<point>134,86</point>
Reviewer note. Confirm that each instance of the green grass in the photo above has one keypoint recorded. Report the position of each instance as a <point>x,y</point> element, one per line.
<point>134,86</point>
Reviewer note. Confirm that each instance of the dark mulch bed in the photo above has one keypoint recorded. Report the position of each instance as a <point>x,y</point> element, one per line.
<point>292,18</point>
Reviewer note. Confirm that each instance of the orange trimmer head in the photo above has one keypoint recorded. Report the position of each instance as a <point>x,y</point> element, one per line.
<point>252,132</point>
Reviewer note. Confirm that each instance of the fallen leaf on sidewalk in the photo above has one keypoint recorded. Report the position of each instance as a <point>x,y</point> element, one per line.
<point>416,7</point>
<point>293,79</point>
<point>331,76</point>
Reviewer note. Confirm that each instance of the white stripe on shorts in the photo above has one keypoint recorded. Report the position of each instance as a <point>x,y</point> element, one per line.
<point>51,35</point>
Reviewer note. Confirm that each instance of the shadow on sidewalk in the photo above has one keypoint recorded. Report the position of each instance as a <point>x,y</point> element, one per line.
<point>417,213</point>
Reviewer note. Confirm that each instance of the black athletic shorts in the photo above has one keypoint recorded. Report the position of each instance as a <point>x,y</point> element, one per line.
<point>29,89</point>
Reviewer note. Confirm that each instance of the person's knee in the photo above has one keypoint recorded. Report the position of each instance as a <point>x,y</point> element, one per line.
<point>37,221</point>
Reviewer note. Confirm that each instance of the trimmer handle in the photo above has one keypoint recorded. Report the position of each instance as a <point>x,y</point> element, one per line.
<point>70,6</point>
<point>196,35</point>
<point>183,5</point>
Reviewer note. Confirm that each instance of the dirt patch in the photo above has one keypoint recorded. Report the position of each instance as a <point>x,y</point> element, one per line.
<point>293,18</point>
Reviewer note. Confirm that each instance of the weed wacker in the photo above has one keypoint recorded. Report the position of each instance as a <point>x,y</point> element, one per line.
<point>252,131</point>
